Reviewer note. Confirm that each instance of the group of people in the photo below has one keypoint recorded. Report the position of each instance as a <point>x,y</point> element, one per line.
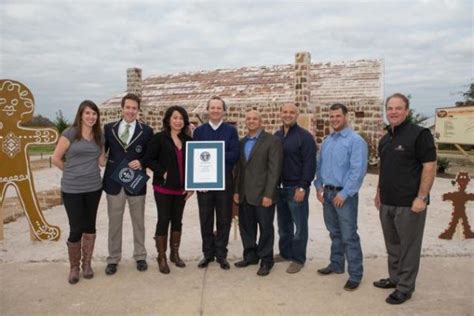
<point>263,171</point>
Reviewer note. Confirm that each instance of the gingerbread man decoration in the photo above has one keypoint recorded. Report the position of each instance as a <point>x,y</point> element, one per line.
<point>459,199</point>
<point>16,107</point>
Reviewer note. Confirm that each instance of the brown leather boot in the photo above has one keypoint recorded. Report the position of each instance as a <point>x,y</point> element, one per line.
<point>74,250</point>
<point>88,241</point>
<point>175,240</point>
<point>160,242</point>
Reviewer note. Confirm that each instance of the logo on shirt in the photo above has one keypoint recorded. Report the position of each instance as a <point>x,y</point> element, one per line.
<point>126,175</point>
<point>205,156</point>
<point>139,149</point>
<point>400,148</point>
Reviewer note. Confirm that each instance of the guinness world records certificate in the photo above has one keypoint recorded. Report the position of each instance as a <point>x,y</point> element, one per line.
<point>205,165</point>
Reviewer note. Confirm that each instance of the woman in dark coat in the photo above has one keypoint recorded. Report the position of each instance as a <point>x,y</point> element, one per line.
<point>165,156</point>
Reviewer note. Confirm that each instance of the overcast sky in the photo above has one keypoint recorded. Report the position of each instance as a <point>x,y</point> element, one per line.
<point>68,51</point>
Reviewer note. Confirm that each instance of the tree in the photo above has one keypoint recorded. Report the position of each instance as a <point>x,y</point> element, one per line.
<point>60,122</point>
<point>413,117</point>
<point>468,97</point>
<point>39,121</point>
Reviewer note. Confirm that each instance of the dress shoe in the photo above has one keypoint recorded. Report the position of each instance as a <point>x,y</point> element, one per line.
<point>294,267</point>
<point>142,265</point>
<point>205,262</point>
<point>111,268</point>
<point>223,263</point>
<point>278,258</point>
<point>397,297</point>
<point>351,285</point>
<point>244,263</point>
<point>328,270</point>
<point>264,270</point>
<point>385,284</point>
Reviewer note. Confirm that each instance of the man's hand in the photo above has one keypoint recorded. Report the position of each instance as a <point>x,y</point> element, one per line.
<point>266,202</point>
<point>377,200</point>
<point>320,196</point>
<point>338,201</point>
<point>188,195</point>
<point>236,198</point>
<point>418,205</point>
<point>299,196</point>
<point>135,164</point>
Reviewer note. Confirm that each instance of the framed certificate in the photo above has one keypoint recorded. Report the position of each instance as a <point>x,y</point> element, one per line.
<point>205,165</point>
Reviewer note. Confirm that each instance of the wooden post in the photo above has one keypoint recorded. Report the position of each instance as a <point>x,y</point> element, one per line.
<point>471,159</point>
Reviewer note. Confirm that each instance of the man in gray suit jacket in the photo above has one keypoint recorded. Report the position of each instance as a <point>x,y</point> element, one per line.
<point>256,178</point>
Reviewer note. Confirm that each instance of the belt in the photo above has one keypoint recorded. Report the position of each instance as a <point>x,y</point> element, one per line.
<point>332,188</point>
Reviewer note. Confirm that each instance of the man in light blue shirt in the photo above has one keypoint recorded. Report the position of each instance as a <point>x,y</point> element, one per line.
<point>341,168</point>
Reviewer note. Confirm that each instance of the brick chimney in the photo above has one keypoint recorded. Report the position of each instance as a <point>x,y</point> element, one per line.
<point>302,80</point>
<point>134,81</point>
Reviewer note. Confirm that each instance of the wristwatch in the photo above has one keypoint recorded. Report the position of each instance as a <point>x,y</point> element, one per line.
<point>424,198</point>
<point>301,189</point>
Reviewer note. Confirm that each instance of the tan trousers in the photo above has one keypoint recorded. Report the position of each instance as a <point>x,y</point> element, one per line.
<point>115,210</point>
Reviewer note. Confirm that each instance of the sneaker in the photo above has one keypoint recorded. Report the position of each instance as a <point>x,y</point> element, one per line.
<point>294,267</point>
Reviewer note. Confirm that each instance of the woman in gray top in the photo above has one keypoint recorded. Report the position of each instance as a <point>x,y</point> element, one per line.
<point>82,146</point>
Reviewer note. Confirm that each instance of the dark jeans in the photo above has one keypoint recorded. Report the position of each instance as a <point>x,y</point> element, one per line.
<point>219,202</point>
<point>170,209</point>
<point>403,234</point>
<point>291,215</point>
<point>249,217</point>
<point>81,209</point>
<point>345,242</point>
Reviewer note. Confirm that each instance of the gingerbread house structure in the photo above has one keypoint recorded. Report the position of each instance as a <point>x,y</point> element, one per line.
<point>312,86</point>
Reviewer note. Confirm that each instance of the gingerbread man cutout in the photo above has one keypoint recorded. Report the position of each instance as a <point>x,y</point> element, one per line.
<point>459,199</point>
<point>16,107</point>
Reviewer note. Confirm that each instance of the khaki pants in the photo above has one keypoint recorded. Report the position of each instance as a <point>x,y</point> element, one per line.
<point>115,210</point>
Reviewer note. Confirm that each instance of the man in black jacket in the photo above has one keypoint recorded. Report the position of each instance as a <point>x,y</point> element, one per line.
<point>407,171</point>
<point>125,139</point>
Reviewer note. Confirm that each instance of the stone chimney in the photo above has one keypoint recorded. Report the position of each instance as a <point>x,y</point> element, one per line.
<point>302,80</point>
<point>134,81</point>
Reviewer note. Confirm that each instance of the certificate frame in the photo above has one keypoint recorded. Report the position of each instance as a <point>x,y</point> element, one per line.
<point>205,166</point>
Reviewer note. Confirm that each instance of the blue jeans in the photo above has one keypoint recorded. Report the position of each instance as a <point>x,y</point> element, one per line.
<point>292,215</point>
<point>342,226</point>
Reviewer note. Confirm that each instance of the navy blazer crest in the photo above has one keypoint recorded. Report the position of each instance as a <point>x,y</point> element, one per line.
<point>116,151</point>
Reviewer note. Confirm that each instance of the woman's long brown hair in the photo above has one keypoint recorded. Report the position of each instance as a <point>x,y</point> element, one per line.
<point>96,130</point>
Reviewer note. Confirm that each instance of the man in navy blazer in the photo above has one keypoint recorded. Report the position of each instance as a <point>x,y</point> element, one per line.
<point>125,139</point>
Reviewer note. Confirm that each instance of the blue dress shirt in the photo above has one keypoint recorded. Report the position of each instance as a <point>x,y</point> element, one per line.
<point>249,143</point>
<point>342,162</point>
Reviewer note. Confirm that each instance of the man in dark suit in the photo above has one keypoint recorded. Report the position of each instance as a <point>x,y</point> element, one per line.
<point>256,179</point>
<point>125,139</point>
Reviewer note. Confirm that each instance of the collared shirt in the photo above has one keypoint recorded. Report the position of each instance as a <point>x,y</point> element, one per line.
<point>250,141</point>
<point>122,127</point>
<point>215,126</point>
<point>299,157</point>
<point>342,162</point>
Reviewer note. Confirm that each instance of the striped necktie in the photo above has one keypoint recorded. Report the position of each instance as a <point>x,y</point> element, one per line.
<point>125,134</point>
